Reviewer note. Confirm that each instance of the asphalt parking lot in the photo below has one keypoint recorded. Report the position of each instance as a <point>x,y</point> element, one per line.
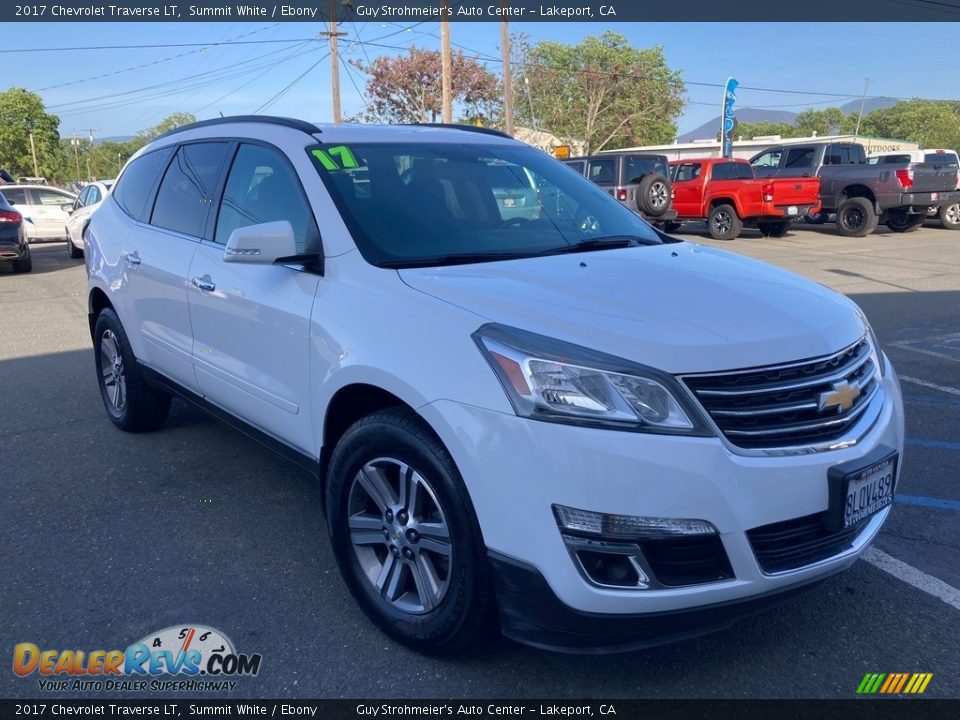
<point>105,536</point>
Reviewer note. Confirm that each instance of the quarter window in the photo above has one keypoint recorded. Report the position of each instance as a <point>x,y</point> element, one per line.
<point>187,188</point>
<point>603,172</point>
<point>15,196</point>
<point>138,180</point>
<point>261,188</point>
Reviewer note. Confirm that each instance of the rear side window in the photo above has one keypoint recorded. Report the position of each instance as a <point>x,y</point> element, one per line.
<point>187,188</point>
<point>637,167</point>
<point>687,171</point>
<point>841,155</point>
<point>744,171</point>
<point>17,196</point>
<point>724,171</point>
<point>261,188</point>
<point>51,198</point>
<point>93,196</point>
<point>800,158</point>
<point>603,172</point>
<point>579,165</point>
<point>137,182</point>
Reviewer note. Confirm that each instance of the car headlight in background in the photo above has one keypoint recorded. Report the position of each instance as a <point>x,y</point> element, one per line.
<point>556,381</point>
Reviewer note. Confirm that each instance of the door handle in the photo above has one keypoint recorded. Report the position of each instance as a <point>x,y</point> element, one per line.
<point>132,258</point>
<point>203,283</point>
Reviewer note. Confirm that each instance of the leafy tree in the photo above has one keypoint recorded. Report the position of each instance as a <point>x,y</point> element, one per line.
<point>23,112</point>
<point>829,121</point>
<point>170,122</point>
<point>931,123</point>
<point>408,88</point>
<point>748,130</point>
<point>602,90</point>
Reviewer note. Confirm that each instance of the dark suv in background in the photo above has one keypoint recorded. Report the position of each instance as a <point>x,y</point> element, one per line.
<point>640,181</point>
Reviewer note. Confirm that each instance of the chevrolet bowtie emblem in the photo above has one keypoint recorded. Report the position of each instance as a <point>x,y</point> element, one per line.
<point>841,397</point>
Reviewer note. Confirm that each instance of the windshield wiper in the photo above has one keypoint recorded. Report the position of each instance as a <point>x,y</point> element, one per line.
<point>454,259</point>
<point>600,243</point>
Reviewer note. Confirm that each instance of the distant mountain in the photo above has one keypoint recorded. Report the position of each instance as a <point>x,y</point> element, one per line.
<point>711,128</point>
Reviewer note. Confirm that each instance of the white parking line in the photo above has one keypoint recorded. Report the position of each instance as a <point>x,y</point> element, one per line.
<point>933,386</point>
<point>910,575</point>
<point>905,345</point>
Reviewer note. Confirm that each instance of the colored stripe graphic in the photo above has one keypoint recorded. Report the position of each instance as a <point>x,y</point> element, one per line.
<point>894,683</point>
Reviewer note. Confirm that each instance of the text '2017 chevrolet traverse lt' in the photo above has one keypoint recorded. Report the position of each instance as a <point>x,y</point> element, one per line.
<point>560,422</point>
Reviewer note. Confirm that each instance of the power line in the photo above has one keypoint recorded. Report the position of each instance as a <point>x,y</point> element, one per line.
<point>283,92</point>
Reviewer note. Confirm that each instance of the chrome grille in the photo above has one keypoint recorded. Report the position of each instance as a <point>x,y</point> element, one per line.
<point>793,404</point>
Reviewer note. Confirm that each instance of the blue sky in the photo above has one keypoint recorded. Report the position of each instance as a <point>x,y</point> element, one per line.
<point>901,60</point>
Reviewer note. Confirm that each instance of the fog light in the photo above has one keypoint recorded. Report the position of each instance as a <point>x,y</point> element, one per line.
<point>628,526</point>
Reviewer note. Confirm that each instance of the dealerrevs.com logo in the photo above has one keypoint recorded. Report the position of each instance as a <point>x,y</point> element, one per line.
<point>179,658</point>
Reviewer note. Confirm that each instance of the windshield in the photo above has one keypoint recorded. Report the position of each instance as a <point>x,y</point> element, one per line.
<point>441,203</point>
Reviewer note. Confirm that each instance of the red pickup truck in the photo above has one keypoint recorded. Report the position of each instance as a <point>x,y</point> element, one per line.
<point>724,192</point>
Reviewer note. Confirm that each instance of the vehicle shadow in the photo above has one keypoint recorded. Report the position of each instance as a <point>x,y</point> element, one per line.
<point>47,257</point>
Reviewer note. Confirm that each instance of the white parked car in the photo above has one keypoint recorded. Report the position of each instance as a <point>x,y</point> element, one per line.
<point>568,423</point>
<point>42,209</point>
<point>949,215</point>
<point>80,210</point>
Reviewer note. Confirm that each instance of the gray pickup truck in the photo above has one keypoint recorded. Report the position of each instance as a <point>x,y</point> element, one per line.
<point>863,196</point>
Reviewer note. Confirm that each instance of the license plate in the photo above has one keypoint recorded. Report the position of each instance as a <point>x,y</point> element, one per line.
<point>792,210</point>
<point>856,494</point>
<point>509,202</point>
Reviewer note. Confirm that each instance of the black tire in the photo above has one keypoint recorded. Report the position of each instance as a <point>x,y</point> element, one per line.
<point>653,195</point>
<point>143,408</point>
<point>773,228</point>
<point>818,218</point>
<point>902,222</point>
<point>723,223</point>
<point>74,251</point>
<point>464,613</point>
<point>23,265</point>
<point>856,217</point>
<point>671,227</point>
<point>950,216</point>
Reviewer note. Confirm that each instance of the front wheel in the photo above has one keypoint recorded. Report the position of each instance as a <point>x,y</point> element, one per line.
<point>856,217</point>
<point>724,223</point>
<point>405,534</point>
<point>950,216</point>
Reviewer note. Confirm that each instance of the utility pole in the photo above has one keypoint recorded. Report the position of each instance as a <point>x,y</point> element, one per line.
<point>90,132</point>
<point>507,74</point>
<point>332,36</point>
<point>33,152</point>
<point>863,101</point>
<point>447,80</point>
<point>75,141</point>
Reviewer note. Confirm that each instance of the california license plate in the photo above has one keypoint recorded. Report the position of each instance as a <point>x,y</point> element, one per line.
<point>792,210</point>
<point>856,494</point>
<point>509,202</point>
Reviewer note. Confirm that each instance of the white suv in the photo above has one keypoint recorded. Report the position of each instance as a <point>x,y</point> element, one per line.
<point>563,422</point>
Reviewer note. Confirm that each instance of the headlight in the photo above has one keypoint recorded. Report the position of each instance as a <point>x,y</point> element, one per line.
<point>877,354</point>
<point>551,380</point>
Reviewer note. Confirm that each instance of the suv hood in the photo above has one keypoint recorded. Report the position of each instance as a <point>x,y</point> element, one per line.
<point>681,307</point>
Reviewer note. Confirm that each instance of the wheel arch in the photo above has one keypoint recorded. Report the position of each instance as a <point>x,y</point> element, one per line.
<point>96,302</point>
<point>852,191</point>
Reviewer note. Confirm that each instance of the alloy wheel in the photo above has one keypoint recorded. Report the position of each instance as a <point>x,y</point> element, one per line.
<point>952,213</point>
<point>399,535</point>
<point>659,195</point>
<point>722,222</point>
<point>111,370</point>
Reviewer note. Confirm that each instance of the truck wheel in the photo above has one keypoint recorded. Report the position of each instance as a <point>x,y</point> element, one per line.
<point>777,228</point>
<point>818,218</point>
<point>653,195</point>
<point>671,227</point>
<point>724,223</point>
<point>856,217</point>
<point>902,222</point>
<point>950,216</point>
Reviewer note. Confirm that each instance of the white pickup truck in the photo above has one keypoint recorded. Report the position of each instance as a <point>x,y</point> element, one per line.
<point>949,214</point>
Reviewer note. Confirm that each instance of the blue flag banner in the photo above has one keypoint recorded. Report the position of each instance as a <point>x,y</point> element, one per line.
<point>729,98</point>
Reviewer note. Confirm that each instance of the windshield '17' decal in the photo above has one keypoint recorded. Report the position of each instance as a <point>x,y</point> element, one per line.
<point>341,152</point>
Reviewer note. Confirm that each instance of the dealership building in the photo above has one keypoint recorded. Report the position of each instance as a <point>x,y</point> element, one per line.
<point>748,148</point>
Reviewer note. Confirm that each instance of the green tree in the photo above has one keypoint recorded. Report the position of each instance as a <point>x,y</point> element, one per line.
<point>603,90</point>
<point>748,130</point>
<point>931,123</point>
<point>23,112</point>
<point>829,121</point>
<point>171,122</point>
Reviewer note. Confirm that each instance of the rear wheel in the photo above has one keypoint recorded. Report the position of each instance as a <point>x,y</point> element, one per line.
<point>774,228</point>
<point>405,535</point>
<point>24,264</point>
<point>724,223</point>
<point>74,251</point>
<point>653,195</point>
<point>856,217</point>
<point>902,222</point>
<point>950,216</point>
<point>131,404</point>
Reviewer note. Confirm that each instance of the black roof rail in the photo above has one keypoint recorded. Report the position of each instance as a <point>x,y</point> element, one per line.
<point>466,128</point>
<point>301,125</point>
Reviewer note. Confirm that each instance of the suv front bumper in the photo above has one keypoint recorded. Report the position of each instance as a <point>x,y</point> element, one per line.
<point>516,469</point>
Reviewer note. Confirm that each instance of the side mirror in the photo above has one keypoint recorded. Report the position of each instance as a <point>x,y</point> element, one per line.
<point>261,244</point>
<point>67,208</point>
